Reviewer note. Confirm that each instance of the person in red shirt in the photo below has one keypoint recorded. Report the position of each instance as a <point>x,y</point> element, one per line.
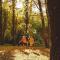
<point>24,40</point>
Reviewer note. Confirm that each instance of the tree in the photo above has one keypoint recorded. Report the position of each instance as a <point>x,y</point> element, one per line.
<point>49,28</point>
<point>54,13</point>
<point>5,16</point>
<point>26,14</point>
<point>41,14</point>
<point>1,36</point>
<point>13,19</point>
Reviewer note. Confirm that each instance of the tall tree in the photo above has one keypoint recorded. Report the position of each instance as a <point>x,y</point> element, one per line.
<point>30,8</point>
<point>5,21</point>
<point>49,28</point>
<point>13,19</point>
<point>41,14</point>
<point>1,36</point>
<point>26,14</point>
<point>54,13</point>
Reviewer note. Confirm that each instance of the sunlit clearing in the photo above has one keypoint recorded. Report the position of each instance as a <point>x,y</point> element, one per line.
<point>19,5</point>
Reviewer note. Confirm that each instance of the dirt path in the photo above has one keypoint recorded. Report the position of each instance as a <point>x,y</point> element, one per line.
<point>23,53</point>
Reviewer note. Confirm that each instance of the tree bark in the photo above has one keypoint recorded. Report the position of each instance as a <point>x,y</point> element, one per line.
<point>41,14</point>
<point>5,21</point>
<point>49,28</point>
<point>13,20</point>
<point>26,14</point>
<point>54,13</point>
<point>1,36</point>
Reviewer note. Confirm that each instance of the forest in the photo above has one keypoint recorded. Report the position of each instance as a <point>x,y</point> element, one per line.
<point>24,17</point>
<point>36,21</point>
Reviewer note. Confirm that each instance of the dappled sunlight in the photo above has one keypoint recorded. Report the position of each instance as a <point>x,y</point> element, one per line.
<point>21,53</point>
<point>29,54</point>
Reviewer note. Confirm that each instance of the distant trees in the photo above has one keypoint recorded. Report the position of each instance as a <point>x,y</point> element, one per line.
<point>28,21</point>
<point>44,33</point>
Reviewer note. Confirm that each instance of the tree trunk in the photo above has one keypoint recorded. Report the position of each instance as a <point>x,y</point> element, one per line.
<point>54,13</point>
<point>30,8</point>
<point>26,14</point>
<point>5,21</point>
<point>1,36</point>
<point>41,14</point>
<point>49,28</point>
<point>13,20</point>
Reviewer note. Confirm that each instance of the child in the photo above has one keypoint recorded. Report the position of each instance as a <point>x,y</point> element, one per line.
<point>31,41</point>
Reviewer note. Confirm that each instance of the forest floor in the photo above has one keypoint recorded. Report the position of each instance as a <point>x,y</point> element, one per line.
<point>24,53</point>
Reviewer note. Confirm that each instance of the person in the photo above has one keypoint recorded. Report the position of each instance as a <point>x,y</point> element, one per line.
<point>18,37</point>
<point>31,41</point>
<point>27,37</point>
<point>23,40</point>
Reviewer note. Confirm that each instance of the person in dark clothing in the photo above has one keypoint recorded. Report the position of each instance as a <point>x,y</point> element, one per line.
<point>18,37</point>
